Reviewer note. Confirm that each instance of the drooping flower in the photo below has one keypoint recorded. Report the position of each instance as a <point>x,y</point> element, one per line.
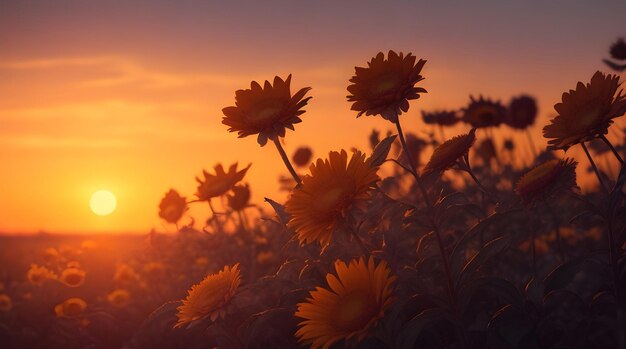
<point>219,183</point>
<point>72,277</point>
<point>239,198</point>
<point>302,156</point>
<point>385,87</point>
<point>70,308</point>
<point>618,49</point>
<point>119,298</point>
<point>37,275</point>
<point>546,180</point>
<point>447,153</point>
<point>483,112</point>
<point>266,110</point>
<point>334,187</point>
<point>522,112</point>
<point>442,118</point>
<point>210,297</point>
<point>349,309</point>
<point>172,206</point>
<point>6,304</point>
<point>586,113</point>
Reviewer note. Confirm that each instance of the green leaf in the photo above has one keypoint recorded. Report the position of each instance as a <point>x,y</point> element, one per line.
<point>562,275</point>
<point>381,151</point>
<point>412,330</point>
<point>491,249</point>
<point>282,215</point>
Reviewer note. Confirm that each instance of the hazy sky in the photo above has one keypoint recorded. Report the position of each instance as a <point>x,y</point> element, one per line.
<point>127,95</point>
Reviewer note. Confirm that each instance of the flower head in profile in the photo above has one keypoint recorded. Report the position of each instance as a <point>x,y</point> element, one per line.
<point>483,112</point>
<point>586,113</point>
<point>327,196</point>
<point>522,112</point>
<point>6,304</point>
<point>210,297</point>
<point>119,298</point>
<point>72,277</point>
<point>349,309</point>
<point>172,206</point>
<point>70,308</point>
<point>442,118</point>
<point>219,183</point>
<point>239,198</point>
<point>546,180</point>
<point>387,84</point>
<point>447,153</point>
<point>266,111</point>
<point>302,156</point>
<point>37,275</point>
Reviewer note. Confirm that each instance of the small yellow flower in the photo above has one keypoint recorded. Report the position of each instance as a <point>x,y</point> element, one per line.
<point>38,275</point>
<point>70,308</point>
<point>73,277</point>
<point>50,255</point>
<point>124,274</point>
<point>5,303</point>
<point>119,298</point>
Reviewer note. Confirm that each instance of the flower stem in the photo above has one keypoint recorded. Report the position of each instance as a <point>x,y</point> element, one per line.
<point>595,168</point>
<point>285,158</point>
<point>557,228</point>
<point>619,158</point>
<point>492,197</point>
<point>532,144</point>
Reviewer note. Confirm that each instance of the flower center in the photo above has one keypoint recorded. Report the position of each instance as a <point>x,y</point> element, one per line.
<point>589,116</point>
<point>355,310</point>
<point>385,84</point>
<point>265,112</point>
<point>332,199</point>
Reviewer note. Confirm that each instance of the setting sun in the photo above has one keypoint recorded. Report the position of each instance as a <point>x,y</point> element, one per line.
<point>102,203</point>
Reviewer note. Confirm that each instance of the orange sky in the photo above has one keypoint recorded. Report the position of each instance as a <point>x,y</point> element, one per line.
<point>127,96</point>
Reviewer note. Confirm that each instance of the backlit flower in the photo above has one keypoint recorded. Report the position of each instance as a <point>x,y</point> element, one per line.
<point>442,118</point>
<point>618,49</point>
<point>302,156</point>
<point>385,87</point>
<point>447,153</point>
<point>37,275</point>
<point>124,274</point>
<point>219,183</point>
<point>172,207</point>
<point>334,187</point>
<point>119,298</point>
<point>546,180</point>
<point>70,308</point>
<point>239,198</point>
<point>210,297</point>
<point>72,277</point>
<point>355,300</point>
<point>522,112</point>
<point>50,255</point>
<point>483,112</point>
<point>5,303</point>
<point>266,110</point>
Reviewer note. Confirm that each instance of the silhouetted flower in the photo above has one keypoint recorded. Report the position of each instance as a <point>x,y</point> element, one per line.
<point>546,180</point>
<point>327,195</point>
<point>356,299</point>
<point>37,275</point>
<point>238,200</point>
<point>302,156</point>
<point>219,183</point>
<point>72,277</point>
<point>618,50</point>
<point>172,207</point>
<point>446,154</point>
<point>522,112</point>
<point>385,87</point>
<point>266,110</point>
<point>210,297</point>
<point>586,113</point>
<point>485,150</point>
<point>442,118</point>
<point>70,308</point>
<point>5,303</point>
<point>483,113</point>
<point>374,138</point>
<point>119,298</point>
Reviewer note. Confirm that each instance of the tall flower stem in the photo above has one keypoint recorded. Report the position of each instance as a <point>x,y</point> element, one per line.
<point>595,168</point>
<point>214,217</point>
<point>619,158</point>
<point>557,229</point>
<point>467,168</point>
<point>285,158</point>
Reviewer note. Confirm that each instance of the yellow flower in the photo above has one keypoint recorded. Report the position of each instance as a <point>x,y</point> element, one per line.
<point>385,87</point>
<point>447,153</point>
<point>124,273</point>
<point>239,198</point>
<point>586,113</point>
<point>483,112</point>
<point>70,308</point>
<point>172,207</point>
<point>72,277</point>
<point>210,297</point>
<point>119,298</point>
<point>50,255</point>
<point>219,183</point>
<point>546,180</point>
<point>355,301</point>
<point>38,275</point>
<point>266,110</point>
<point>327,196</point>
<point>5,303</point>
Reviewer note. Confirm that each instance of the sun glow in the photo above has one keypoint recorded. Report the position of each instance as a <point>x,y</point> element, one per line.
<point>102,203</point>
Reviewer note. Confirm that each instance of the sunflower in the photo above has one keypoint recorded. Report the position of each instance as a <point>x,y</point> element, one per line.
<point>302,156</point>
<point>618,50</point>
<point>385,87</point>
<point>50,255</point>
<point>119,298</point>
<point>586,113</point>
<point>266,110</point>
<point>522,112</point>
<point>548,179</point>
<point>239,198</point>
<point>334,187</point>
<point>124,274</point>
<point>447,153</point>
<point>219,183</point>
<point>172,207</point>
<point>483,112</point>
<point>210,297</point>
<point>355,301</point>
<point>5,303</point>
<point>38,275</point>
<point>442,118</point>
<point>72,277</point>
<point>70,308</point>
